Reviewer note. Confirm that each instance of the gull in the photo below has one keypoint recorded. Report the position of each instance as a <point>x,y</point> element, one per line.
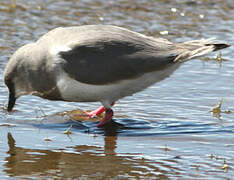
<point>96,63</point>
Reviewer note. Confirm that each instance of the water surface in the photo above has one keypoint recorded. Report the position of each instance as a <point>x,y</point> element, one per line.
<point>164,132</point>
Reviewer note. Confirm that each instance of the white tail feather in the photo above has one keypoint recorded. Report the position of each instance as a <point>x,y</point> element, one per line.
<point>196,48</point>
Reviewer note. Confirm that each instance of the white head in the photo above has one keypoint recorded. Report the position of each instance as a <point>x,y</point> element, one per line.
<point>14,76</point>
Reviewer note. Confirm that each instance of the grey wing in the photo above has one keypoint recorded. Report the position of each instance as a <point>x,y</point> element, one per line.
<point>110,61</point>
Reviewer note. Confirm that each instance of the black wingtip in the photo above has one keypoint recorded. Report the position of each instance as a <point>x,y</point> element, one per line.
<point>219,46</point>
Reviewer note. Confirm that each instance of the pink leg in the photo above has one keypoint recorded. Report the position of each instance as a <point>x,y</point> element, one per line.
<point>108,116</point>
<point>98,111</point>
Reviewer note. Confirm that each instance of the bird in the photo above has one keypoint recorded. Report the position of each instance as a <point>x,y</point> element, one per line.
<point>96,63</point>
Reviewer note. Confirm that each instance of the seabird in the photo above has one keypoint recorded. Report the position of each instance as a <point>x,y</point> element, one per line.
<point>96,63</point>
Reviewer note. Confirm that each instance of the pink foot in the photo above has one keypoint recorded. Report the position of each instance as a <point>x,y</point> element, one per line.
<point>98,111</point>
<point>108,116</point>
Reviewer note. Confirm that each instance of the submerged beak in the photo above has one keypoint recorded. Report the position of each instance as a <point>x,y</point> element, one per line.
<point>11,101</point>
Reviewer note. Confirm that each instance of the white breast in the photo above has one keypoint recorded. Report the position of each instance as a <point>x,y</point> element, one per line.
<point>72,90</point>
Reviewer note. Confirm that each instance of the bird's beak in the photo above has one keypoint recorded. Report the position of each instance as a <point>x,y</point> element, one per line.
<point>11,101</point>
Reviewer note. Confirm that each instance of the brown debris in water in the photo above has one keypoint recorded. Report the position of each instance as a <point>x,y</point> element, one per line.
<point>166,148</point>
<point>79,115</point>
<point>47,139</point>
<point>217,107</point>
<point>218,58</point>
<point>7,125</point>
<point>216,110</point>
<point>68,131</point>
<point>225,166</point>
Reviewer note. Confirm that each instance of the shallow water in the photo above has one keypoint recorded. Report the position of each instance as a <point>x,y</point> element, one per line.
<point>164,132</point>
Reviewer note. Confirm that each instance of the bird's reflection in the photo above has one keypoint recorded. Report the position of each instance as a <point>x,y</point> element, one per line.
<point>80,161</point>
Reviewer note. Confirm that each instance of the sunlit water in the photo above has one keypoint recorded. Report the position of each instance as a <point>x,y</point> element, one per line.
<point>164,132</point>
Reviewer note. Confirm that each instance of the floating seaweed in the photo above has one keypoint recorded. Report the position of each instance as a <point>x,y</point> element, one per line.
<point>68,131</point>
<point>216,110</point>
<point>217,58</point>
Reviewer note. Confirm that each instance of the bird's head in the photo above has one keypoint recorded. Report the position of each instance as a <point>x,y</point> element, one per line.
<point>14,76</point>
